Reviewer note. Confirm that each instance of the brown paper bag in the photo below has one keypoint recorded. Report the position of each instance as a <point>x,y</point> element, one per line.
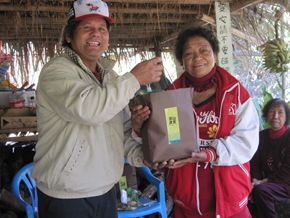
<point>170,131</point>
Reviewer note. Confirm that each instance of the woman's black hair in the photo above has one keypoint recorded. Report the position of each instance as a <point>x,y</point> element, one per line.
<point>276,102</point>
<point>201,31</point>
<point>70,28</point>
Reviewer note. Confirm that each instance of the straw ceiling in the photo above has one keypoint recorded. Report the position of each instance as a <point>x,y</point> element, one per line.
<point>143,25</point>
<point>31,29</point>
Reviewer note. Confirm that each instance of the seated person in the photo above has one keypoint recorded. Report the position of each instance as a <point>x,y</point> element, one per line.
<point>270,166</point>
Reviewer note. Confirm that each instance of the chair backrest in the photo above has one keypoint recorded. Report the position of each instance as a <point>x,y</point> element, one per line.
<point>158,206</point>
<point>23,176</point>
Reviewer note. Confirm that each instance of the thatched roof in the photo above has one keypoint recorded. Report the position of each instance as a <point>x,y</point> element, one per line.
<point>141,24</point>
<point>32,28</point>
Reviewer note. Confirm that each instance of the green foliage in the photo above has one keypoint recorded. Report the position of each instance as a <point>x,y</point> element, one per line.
<point>259,106</point>
<point>267,96</point>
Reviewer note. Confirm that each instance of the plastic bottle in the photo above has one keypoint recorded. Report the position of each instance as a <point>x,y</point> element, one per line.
<point>12,99</point>
<point>3,70</point>
<point>2,78</point>
<point>24,98</point>
<point>31,102</point>
<point>124,197</point>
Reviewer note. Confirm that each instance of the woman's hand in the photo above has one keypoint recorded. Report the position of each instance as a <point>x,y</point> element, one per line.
<point>258,182</point>
<point>195,157</point>
<point>138,115</point>
<point>173,164</point>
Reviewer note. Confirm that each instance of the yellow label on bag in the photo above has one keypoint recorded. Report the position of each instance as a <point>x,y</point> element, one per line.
<point>123,183</point>
<point>172,123</point>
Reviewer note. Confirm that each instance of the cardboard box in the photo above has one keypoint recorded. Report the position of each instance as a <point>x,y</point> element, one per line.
<point>2,111</point>
<point>18,118</point>
<point>4,102</point>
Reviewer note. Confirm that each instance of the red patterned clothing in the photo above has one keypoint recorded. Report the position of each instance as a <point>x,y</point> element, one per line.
<point>208,124</point>
<point>229,124</point>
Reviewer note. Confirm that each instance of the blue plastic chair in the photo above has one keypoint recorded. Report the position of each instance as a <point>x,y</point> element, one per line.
<point>158,206</point>
<point>23,176</point>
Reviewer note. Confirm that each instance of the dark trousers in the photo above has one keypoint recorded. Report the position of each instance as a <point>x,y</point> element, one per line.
<point>265,197</point>
<point>104,206</point>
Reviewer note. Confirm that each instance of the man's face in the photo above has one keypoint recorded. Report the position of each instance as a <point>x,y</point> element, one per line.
<point>91,39</point>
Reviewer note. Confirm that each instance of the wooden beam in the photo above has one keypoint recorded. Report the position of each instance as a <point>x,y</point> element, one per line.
<point>159,1</point>
<point>134,34</point>
<point>186,25</point>
<point>234,31</point>
<point>33,8</point>
<point>5,21</point>
<point>284,3</point>
<point>193,2</point>
<point>113,10</point>
<point>178,2</point>
<point>239,5</point>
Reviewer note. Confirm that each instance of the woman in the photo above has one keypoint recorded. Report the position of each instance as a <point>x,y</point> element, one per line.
<point>81,116</point>
<point>214,182</point>
<point>270,166</point>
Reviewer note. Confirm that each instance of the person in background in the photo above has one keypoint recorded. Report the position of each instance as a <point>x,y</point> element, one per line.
<point>214,182</point>
<point>83,117</point>
<point>270,166</point>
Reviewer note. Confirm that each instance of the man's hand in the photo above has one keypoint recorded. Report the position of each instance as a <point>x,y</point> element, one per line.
<point>160,165</point>
<point>148,71</point>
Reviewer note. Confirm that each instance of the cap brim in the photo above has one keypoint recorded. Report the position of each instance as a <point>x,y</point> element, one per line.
<point>109,19</point>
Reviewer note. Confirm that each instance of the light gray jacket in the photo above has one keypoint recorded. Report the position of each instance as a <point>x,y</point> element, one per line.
<point>81,126</point>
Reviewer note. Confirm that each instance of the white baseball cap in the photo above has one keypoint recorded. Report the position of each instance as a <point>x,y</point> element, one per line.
<point>82,9</point>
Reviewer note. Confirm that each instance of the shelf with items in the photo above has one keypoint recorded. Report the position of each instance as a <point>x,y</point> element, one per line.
<point>18,135</point>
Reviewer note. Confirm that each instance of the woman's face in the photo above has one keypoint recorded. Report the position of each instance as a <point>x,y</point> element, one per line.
<point>198,56</point>
<point>91,39</point>
<point>276,117</point>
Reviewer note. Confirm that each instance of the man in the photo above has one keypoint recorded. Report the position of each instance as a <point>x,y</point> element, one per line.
<point>81,110</point>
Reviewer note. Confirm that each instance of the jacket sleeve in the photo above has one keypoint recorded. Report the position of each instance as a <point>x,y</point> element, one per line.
<point>132,148</point>
<point>256,171</point>
<point>80,97</point>
<point>242,142</point>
